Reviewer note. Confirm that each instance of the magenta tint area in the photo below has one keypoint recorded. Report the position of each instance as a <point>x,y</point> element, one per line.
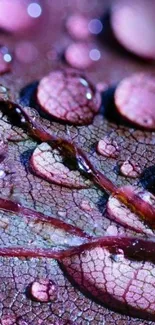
<point>77,172</point>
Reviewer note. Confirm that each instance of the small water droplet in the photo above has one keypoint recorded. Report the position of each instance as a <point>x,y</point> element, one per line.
<point>95,26</point>
<point>43,290</point>
<point>95,54</point>
<point>108,147</point>
<point>77,55</point>
<point>34,10</point>
<point>62,213</point>
<point>130,168</point>
<point>77,27</point>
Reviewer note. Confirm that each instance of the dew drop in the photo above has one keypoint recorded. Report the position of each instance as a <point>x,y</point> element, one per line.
<point>95,54</point>
<point>134,99</point>
<point>77,55</point>
<point>14,16</point>
<point>108,147</point>
<point>34,10</point>
<point>43,290</point>
<point>130,169</point>
<point>77,27</point>
<point>49,164</point>
<point>95,26</point>
<point>74,91</point>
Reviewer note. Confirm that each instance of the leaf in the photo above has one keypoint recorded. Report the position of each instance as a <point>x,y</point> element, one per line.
<point>66,204</point>
<point>118,272</point>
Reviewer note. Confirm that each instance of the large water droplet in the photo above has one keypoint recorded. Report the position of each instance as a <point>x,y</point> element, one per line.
<point>78,99</point>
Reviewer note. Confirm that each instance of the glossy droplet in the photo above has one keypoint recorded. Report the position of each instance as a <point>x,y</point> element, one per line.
<point>77,27</point>
<point>14,16</point>
<point>135,99</point>
<point>69,96</point>
<point>95,54</point>
<point>95,26</point>
<point>44,290</point>
<point>34,10</point>
<point>130,168</point>
<point>50,165</point>
<point>77,55</point>
<point>108,147</point>
<point>133,24</point>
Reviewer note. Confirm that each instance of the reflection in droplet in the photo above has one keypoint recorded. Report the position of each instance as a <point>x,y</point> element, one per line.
<point>95,26</point>
<point>88,95</point>
<point>34,10</point>
<point>2,174</point>
<point>95,54</point>
<point>7,57</point>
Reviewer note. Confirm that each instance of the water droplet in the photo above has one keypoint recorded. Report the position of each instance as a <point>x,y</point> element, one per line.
<point>108,147</point>
<point>34,10</point>
<point>14,16</point>
<point>130,168</point>
<point>7,57</point>
<point>95,26</point>
<point>134,99</point>
<point>77,55</point>
<point>62,213</point>
<point>77,27</point>
<point>43,290</point>
<point>95,54</point>
<point>74,96</point>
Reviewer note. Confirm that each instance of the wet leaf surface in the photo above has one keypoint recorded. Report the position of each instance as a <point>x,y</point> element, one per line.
<point>66,204</point>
